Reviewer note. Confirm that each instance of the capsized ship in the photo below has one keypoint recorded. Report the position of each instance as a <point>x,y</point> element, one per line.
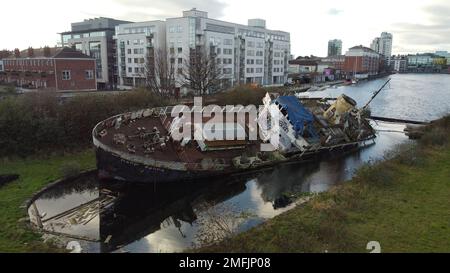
<point>139,146</point>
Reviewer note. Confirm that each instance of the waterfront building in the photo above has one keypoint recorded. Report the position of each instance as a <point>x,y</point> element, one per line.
<point>383,45</point>
<point>426,63</point>
<point>399,63</point>
<point>336,62</point>
<point>313,70</point>
<point>444,54</point>
<point>334,48</point>
<point>361,62</point>
<point>57,69</point>
<point>246,53</point>
<point>94,37</point>
<point>137,44</point>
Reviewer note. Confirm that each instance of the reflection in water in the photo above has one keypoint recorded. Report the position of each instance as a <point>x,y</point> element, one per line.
<point>178,216</point>
<point>173,217</point>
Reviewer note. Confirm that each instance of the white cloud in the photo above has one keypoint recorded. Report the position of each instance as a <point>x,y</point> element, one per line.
<point>416,25</point>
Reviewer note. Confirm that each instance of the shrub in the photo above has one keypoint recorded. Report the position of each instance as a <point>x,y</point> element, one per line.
<point>10,89</point>
<point>374,174</point>
<point>243,95</point>
<point>40,121</point>
<point>437,136</point>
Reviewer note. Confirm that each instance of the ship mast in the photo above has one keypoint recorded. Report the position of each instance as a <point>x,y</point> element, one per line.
<point>375,95</point>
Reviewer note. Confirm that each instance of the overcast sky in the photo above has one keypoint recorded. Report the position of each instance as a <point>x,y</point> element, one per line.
<point>417,25</point>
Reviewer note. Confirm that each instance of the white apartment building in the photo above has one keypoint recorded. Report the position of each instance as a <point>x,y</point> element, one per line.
<point>136,44</point>
<point>399,63</point>
<point>375,45</point>
<point>247,53</point>
<point>383,45</point>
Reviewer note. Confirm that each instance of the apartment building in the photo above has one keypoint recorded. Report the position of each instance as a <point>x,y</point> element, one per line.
<point>361,62</point>
<point>57,69</point>
<point>94,37</point>
<point>334,48</point>
<point>383,46</point>
<point>399,63</point>
<point>246,53</point>
<point>137,44</point>
<point>426,63</point>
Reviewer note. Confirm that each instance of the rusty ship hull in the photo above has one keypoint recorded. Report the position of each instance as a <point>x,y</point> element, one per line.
<point>113,166</point>
<point>138,146</point>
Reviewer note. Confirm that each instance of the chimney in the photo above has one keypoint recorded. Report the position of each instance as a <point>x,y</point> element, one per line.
<point>17,53</point>
<point>30,52</point>
<point>47,51</point>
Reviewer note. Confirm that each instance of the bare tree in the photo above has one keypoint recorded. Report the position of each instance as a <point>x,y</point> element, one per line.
<point>159,72</point>
<point>201,71</point>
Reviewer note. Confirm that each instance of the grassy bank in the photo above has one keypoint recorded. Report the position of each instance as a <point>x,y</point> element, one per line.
<point>35,173</point>
<point>403,203</point>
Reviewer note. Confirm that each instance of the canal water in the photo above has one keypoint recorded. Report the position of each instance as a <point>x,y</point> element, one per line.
<point>174,218</point>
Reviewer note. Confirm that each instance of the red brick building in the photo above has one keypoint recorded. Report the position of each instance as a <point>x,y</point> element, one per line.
<point>59,69</point>
<point>361,62</point>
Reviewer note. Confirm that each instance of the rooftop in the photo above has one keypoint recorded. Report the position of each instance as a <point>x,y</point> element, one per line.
<point>363,48</point>
<point>53,52</point>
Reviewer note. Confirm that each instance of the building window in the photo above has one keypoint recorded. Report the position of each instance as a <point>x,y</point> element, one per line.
<point>79,47</point>
<point>130,70</point>
<point>227,41</point>
<point>180,50</point>
<point>227,51</point>
<point>66,75</point>
<point>180,60</point>
<point>89,74</point>
<point>250,53</point>
<point>227,61</point>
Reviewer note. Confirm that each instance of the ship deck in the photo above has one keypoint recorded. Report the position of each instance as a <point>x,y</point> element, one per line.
<point>173,151</point>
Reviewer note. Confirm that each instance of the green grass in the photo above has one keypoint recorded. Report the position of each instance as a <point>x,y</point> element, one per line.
<point>35,173</point>
<point>7,89</point>
<point>403,203</point>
